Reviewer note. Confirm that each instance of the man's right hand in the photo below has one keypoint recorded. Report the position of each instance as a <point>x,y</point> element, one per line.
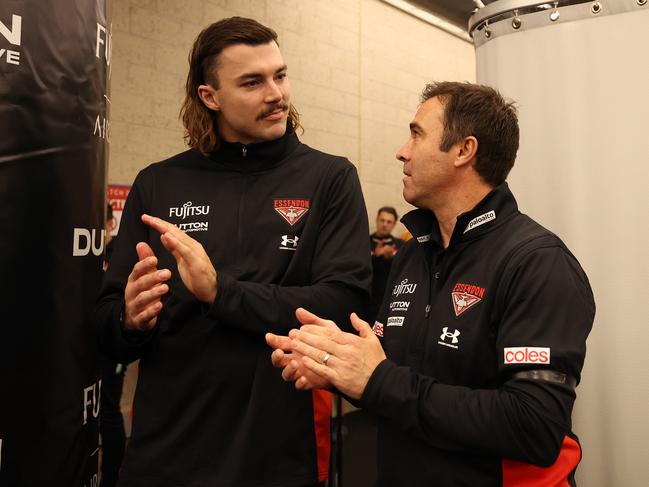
<point>144,290</point>
<point>384,250</point>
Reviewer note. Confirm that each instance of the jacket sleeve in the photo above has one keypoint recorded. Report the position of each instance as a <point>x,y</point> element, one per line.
<point>548,303</point>
<point>113,342</point>
<point>340,272</point>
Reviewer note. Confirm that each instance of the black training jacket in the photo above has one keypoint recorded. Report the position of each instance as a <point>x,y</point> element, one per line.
<point>506,296</point>
<point>285,226</point>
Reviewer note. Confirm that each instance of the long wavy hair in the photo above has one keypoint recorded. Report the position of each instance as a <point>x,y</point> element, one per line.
<point>200,122</point>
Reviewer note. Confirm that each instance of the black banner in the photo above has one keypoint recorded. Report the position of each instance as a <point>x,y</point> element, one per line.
<point>54,102</point>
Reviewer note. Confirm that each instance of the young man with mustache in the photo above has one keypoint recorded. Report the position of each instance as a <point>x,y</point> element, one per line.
<point>217,246</point>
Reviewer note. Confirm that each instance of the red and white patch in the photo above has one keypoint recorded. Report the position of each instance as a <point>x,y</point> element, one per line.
<point>465,296</point>
<point>378,329</point>
<point>292,210</point>
<point>527,355</point>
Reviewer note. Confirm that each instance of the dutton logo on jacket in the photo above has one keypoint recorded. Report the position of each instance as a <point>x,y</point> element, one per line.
<point>292,210</point>
<point>465,296</point>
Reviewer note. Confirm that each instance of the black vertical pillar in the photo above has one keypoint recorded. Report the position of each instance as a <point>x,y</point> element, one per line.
<point>54,102</point>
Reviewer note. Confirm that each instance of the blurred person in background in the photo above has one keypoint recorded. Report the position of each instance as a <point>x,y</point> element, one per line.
<point>383,247</point>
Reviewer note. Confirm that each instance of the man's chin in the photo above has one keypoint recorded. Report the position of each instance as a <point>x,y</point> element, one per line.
<point>413,199</point>
<point>275,130</point>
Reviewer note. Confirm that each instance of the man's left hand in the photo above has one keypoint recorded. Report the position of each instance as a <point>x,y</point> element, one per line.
<point>350,359</point>
<point>194,265</point>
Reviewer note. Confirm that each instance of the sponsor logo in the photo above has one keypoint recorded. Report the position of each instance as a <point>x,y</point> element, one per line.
<point>423,238</point>
<point>12,35</point>
<point>93,481</point>
<point>452,336</point>
<point>292,210</point>
<point>404,288</point>
<point>464,296</point>
<point>289,243</point>
<point>101,128</point>
<point>527,355</point>
<point>188,210</point>
<point>87,240</point>
<point>397,306</point>
<point>92,398</point>
<point>105,39</point>
<point>480,220</point>
<point>396,320</point>
<point>378,329</point>
<point>103,48</point>
<point>194,227</point>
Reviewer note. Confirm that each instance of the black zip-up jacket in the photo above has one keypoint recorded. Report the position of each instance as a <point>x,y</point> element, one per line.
<point>457,324</point>
<point>285,226</point>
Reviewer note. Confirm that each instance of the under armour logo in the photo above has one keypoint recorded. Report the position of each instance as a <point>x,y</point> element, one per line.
<point>446,334</point>
<point>289,243</point>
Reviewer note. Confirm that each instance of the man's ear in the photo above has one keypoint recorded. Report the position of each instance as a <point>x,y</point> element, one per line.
<point>466,151</point>
<point>210,97</point>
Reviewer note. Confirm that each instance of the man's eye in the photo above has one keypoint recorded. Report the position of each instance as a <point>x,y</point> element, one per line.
<point>250,83</point>
<point>281,75</point>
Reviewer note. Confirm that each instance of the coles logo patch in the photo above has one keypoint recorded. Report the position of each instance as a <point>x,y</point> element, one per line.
<point>292,210</point>
<point>527,355</point>
<point>465,296</point>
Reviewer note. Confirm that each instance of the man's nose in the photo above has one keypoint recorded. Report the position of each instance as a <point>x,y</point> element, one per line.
<point>403,154</point>
<point>273,92</point>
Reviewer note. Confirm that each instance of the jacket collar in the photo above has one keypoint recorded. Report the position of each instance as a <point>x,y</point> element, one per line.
<point>494,208</point>
<point>255,157</point>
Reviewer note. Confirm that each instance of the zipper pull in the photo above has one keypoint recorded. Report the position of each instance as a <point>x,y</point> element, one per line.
<point>427,311</point>
<point>244,150</point>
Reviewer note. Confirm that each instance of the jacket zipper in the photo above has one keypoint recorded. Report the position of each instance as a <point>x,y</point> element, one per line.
<point>419,344</point>
<point>240,223</point>
<point>244,151</point>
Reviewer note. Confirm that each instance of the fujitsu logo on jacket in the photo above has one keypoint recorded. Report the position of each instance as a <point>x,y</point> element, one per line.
<point>404,288</point>
<point>188,210</point>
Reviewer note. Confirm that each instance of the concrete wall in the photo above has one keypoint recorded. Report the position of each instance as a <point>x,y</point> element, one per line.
<point>356,68</point>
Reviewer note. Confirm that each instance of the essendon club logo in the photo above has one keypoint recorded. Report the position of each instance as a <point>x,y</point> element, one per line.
<point>292,210</point>
<point>466,296</point>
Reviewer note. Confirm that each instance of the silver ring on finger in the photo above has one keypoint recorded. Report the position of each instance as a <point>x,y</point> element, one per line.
<point>326,358</point>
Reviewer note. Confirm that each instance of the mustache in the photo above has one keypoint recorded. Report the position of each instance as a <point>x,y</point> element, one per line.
<point>280,106</point>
